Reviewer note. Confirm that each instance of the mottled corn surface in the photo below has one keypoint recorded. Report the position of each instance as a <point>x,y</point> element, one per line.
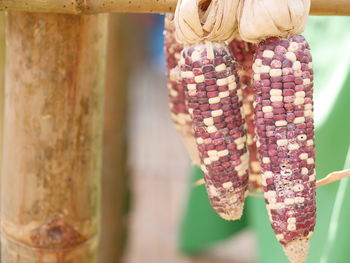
<point>283,79</point>
<point>176,91</point>
<point>215,105</point>
<point>177,97</point>
<point>243,53</point>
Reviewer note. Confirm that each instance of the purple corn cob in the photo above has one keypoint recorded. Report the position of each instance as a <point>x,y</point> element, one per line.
<point>283,80</point>
<point>178,107</point>
<point>215,105</point>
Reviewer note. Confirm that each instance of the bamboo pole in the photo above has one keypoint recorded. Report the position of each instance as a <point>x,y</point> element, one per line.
<point>318,7</point>
<point>52,137</point>
<point>114,145</point>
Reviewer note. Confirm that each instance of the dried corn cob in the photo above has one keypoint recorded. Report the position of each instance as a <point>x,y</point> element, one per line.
<point>215,105</point>
<point>178,107</point>
<point>243,52</point>
<point>283,79</point>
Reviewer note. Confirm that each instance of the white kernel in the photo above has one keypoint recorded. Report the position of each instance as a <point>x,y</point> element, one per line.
<point>232,86</point>
<point>293,46</point>
<point>310,161</point>
<point>303,156</point>
<point>301,137</point>
<point>291,220</point>
<point>204,169</point>
<point>298,188</point>
<point>264,69</point>
<point>306,81</point>
<point>207,161</point>
<point>270,194</point>
<point>239,140</point>
<point>223,153</point>
<point>227,185</point>
<point>299,101</point>
<point>173,93</point>
<point>268,54</point>
<point>199,78</point>
<point>296,65</point>
<point>266,160</point>
<point>276,92</point>
<point>256,77</point>
<point>312,178</point>
<point>214,100</point>
<point>291,227</point>
<point>221,82</point>
<point>212,191</point>
<point>293,146</point>
<point>217,113</point>
<point>298,120</point>
<point>200,140</point>
<point>291,56</point>
<point>231,79</point>
<point>258,62</point>
<point>240,146</point>
<point>196,55</point>
<point>276,98</point>
<point>299,200</point>
<point>212,153</point>
<point>309,142</point>
<point>304,171</point>
<point>208,121</point>
<point>300,94</point>
<point>212,129</point>
<point>279,237</point>
<point>281,123</point>
<point>289,201</point>
<point>224,94</point>
<point>220,67</point>
<point>308,113</point>
<point>266,109</point>
<point>187,74</point>
<point>275,72</point>
<point>282,142</point>
<point>192,87</point>
<point>310,65</point>
<point>267,174</point>
<point>214,158</point>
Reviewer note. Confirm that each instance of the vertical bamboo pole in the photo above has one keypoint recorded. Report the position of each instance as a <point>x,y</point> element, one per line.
<point>2,80</point>
<point>114,145</point>
<point>52,137</point>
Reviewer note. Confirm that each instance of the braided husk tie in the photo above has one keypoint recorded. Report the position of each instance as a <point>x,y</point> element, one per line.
<point>217,23</point>
<point>260,19</point>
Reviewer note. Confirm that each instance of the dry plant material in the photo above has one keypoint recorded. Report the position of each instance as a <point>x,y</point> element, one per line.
<point>179,112</point>
<point>283,79</point>
<point>215,105</point>
<point>244,52</point>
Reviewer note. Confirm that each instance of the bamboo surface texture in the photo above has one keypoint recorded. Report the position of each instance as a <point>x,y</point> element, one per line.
<point>114,144</point>
<point>50,184</point>
<point>318,7</point>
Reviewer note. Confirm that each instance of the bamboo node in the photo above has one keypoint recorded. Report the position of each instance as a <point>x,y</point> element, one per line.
<point>56,233</point>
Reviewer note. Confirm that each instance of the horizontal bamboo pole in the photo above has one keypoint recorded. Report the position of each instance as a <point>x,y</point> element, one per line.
<point>318,7</point>
<point>50,182</point>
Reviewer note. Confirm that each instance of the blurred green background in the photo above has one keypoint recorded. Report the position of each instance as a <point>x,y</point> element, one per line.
<point>202,228</point>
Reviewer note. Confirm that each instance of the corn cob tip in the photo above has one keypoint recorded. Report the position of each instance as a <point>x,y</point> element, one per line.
<point>297,250</point>
<point>232,214</point>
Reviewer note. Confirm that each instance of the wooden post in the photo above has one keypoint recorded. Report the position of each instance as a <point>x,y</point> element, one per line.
<point>52,137</point>
<point>114,144</point>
